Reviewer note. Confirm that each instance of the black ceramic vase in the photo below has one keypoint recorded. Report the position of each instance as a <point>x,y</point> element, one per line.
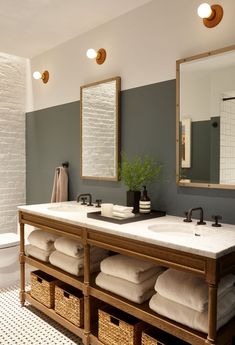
<point>132,199</point>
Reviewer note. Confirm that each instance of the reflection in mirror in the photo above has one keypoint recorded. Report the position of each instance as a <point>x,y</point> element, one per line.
<point>206,120</point>
<point>100,129</point>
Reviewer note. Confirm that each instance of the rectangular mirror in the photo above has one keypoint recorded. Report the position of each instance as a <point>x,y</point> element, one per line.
<point>100,129</point>
<point>205,120</point>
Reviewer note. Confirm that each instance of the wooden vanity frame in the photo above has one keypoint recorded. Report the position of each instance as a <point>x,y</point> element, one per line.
<point>211,269</point>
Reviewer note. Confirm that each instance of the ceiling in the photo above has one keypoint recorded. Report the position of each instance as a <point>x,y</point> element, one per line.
<point>30,27</point>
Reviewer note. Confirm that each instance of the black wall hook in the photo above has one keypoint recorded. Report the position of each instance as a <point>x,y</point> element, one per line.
<point>65,164</point>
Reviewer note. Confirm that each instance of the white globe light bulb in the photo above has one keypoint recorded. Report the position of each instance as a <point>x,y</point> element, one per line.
<point>37,75</point>
<point>204,10</point>
<point>91,53</point>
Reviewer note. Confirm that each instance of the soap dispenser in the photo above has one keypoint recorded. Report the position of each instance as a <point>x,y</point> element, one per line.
<point>145,202</point>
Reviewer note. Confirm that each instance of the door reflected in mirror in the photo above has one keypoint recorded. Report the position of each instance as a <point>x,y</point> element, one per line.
<point>206,120</point>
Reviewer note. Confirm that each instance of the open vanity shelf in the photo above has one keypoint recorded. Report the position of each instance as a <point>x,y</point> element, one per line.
<point>70,279</point>
<point>211,269</point>
<point>53,315</point>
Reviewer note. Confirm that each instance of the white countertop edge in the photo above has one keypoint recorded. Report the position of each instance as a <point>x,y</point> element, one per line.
<point>139,230</point>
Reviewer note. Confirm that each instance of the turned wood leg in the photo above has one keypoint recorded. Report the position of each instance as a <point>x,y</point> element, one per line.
<point>212,313</point>
<point>22,266</point>
<point>86,337</point>
<point>87,327</point>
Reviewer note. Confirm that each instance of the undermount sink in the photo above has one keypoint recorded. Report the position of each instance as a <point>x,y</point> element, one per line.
<point>65,208</point>
<point>183,229</point>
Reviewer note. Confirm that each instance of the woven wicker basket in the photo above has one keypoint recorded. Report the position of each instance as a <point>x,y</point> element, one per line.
<point>118,328</point>
<point>150,340</point>
<point>69,303</point>
<point>43,288</point>
<point>154,336</point>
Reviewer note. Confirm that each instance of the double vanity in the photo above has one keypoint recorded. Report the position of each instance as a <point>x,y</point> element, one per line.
<point>204,250</point>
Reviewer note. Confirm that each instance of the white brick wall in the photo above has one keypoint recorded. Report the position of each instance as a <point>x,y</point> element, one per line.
<point>12,139</point>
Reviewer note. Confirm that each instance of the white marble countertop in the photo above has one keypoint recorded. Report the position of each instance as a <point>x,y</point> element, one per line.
<point>211,242</point>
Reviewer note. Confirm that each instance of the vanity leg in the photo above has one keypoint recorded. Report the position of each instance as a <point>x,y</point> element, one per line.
<point>212,313</point>
<point>87,329</point>
<point>22,266</point>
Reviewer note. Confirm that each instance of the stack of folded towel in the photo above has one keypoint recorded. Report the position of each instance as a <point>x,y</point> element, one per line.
<point>69,256</point>
<point>41,244</point>
<point>183,297</point>
<point>122,211</point>
<point>128,277</point>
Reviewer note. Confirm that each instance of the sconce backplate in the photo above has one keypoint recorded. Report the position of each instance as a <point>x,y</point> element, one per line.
<point>101,56</point>
<point>217,15</point>
<point>45,77</point>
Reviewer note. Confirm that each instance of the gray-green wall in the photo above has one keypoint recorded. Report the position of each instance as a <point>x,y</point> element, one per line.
<point>148,127</point>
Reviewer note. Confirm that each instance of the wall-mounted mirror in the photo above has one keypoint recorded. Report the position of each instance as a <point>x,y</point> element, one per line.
<point>100,129</point>
<point>205,120</point>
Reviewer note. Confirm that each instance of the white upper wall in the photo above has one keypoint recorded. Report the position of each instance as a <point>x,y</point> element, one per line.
<point>195,88</point>
<point>142,47</point>
<point>201,92</point>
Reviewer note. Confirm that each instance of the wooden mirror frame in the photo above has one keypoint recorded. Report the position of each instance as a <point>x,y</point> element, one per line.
<point>115,176</point>
<point>179,181</point>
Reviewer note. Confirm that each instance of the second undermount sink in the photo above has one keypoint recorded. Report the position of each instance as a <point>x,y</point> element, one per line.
<point>183,229</point>
<point>66,208</point>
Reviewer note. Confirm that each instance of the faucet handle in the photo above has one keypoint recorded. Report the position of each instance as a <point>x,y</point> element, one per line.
<point>98,201</point>
<point>216,218</point>
<point>83,201</point>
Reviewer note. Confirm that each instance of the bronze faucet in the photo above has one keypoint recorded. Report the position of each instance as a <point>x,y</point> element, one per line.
<point>188,218</point>
<point>83,198</point>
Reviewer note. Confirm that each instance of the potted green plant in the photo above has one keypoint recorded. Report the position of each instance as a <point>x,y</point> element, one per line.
<point>136,173</point>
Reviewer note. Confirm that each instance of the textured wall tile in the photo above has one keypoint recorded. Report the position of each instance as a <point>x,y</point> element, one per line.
<point>12,139</point>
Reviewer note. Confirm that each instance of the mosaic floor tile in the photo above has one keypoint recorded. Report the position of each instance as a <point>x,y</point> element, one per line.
<point>29,326</point>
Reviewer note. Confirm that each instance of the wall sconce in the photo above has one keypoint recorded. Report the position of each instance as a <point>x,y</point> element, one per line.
<point>44,76</point>
<point>99,55</point>
<point>211,15</point>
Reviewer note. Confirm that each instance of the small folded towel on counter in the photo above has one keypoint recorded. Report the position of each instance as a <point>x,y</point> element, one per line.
<point>38,253</point>
<point>60,185</point>
<point>129,268</point>
<point>68,246</point>
<point>123,215</point>
<point>122,209</point>
<point>42,239</point>
<point>137,293</point>
<point>188,289</point>
<point>75,265</point>
<point>193,318</point>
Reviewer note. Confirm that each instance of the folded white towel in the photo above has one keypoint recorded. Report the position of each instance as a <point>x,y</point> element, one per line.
<point>193,318</point>
<point>137,293</point>
<point>68,246</point>
<point>76,250</point>
<point>119,208</point>
<point>42,239</point>
<point>129,268</point>
<point>38,253</point>
<point>123,215</point>
<point>188,289</point>
<point>70,264</point>
<point>74,265</point>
